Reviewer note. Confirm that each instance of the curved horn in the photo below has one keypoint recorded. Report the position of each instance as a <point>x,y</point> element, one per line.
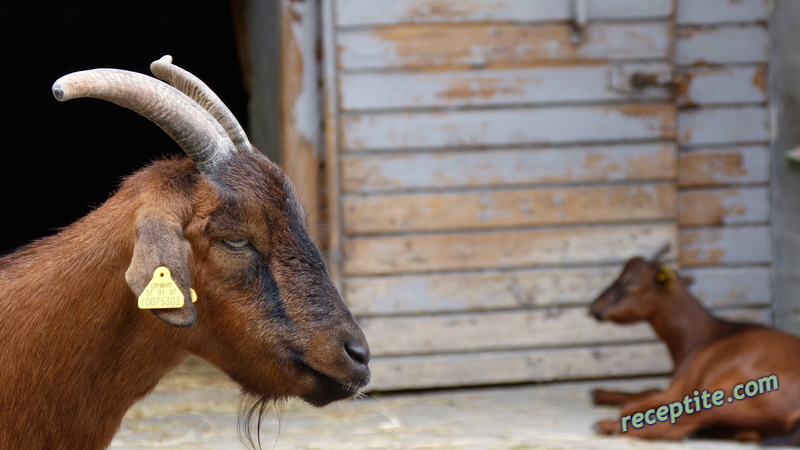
<point>187,123</point>
<point>195,88</point>
<point>661,252</point>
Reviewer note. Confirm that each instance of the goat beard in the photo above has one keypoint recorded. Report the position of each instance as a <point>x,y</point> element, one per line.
<point>253,410</point>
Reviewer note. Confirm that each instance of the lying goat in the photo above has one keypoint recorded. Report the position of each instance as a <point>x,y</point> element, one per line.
<point>708,355</point>
<point>78,348</point>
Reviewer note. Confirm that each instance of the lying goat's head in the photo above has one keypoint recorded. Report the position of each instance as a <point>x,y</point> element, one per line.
<point>226,223</point>
<point>635,295</point>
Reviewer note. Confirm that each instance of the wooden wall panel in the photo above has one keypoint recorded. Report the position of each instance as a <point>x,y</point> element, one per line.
<point>723,85</point>
<point>368,12</point>
<point>722,50</point>
<point>470,369</point>
<point>739,44</point>
<point>562,125</point>
<point>494,168</point>
<point>724,166</point>
<point>515,366</point>
<point>719,207</point>
<point>725,246</point>
<point>510,330</point>
<point>482,209</point>
<point>492,290</point>
<point>484,44</point>
<point>725,287</point>
<point>534,85</point>
<point>724,125</point>
<point>709,12</point>
<point>516,167</point>
<point>501,249</point>
<point>483,290</point>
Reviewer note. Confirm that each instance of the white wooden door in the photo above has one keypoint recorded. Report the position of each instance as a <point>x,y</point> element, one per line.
<point>492,163</point>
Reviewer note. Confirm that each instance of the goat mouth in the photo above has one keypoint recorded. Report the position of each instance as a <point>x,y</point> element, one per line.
<point>328,389</point>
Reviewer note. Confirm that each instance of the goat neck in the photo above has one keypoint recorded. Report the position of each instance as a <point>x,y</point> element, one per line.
<point>79,354</point>
<point>684,324</point>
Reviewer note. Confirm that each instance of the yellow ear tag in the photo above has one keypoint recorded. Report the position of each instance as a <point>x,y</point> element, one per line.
<point>162,292</point>
<point>666,275</point>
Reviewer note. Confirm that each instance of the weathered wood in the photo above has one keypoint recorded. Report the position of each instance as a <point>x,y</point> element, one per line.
<point>510,330</point>
<point>485,44</point>
<point>724,125</point>
<point>482,209</point>
<point>300,118</point>
<point>579,83</point>
<point>724,166</point>
<point>726,287</point>
<point>369,12</point>
<point>475,291</point>
<point>331,172</point>
<point>717,207</point>
<point>723,85</point>
<point>722,45</point>
<point>485,168</point>
<point>493,331</point>
<point>470,369</point>
<point>719,287</point>
<point>709,12</point>
<point>481,128</point>
<point>501,249</point>
<point>724,246</point>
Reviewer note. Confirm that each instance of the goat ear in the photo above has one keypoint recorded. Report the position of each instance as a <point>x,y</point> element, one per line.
<point>160,243</point>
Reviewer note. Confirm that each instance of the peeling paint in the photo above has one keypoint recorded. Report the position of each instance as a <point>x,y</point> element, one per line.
<point>481,44</point>
<point>760,79</point>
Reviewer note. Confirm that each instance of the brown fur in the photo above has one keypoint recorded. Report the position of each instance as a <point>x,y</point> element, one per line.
<point>77,352</point>
<point>708,354</point>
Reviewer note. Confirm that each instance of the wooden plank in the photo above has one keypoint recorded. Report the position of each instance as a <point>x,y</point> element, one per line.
<point>723,125</point>
<point>484,44</point>
<point>332,169</point>
<point>717,207</point>
<point>586,83</point>
<point>725,246</point>
<point>351,13</point>
<point>523,126</point>
<point>487,168</point>
<point>722,45</point>
<point>710,12</point>
<point>481,209</point>
<point>725,287</point>
<point>299,117</point>
<point>724,166</point>
<point>470,369</point>
<point>492,331</point>
<point>475,291</point>
<point>500,249</point>
<point>723,85</point>
<point>510,330</point>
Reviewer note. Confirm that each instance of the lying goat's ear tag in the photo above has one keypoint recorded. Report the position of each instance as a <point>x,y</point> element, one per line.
<point>666,275</point>
<point>162,292</point>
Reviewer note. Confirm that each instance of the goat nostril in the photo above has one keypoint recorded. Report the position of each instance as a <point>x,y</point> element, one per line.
<point>358,352</point>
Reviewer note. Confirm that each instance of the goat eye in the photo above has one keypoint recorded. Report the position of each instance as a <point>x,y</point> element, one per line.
<point>237,243</point>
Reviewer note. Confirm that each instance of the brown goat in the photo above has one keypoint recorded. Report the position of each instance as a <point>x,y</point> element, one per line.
<point>709,355</point>
<point>77,352</point>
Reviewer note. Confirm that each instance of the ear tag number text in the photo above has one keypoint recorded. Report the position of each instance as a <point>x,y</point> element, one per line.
<point>162,292</point>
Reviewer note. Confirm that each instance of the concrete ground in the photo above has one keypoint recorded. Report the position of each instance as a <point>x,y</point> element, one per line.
<point>195,407</point>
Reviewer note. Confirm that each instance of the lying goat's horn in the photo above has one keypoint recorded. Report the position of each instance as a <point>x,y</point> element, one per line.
<point>661,252</point>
